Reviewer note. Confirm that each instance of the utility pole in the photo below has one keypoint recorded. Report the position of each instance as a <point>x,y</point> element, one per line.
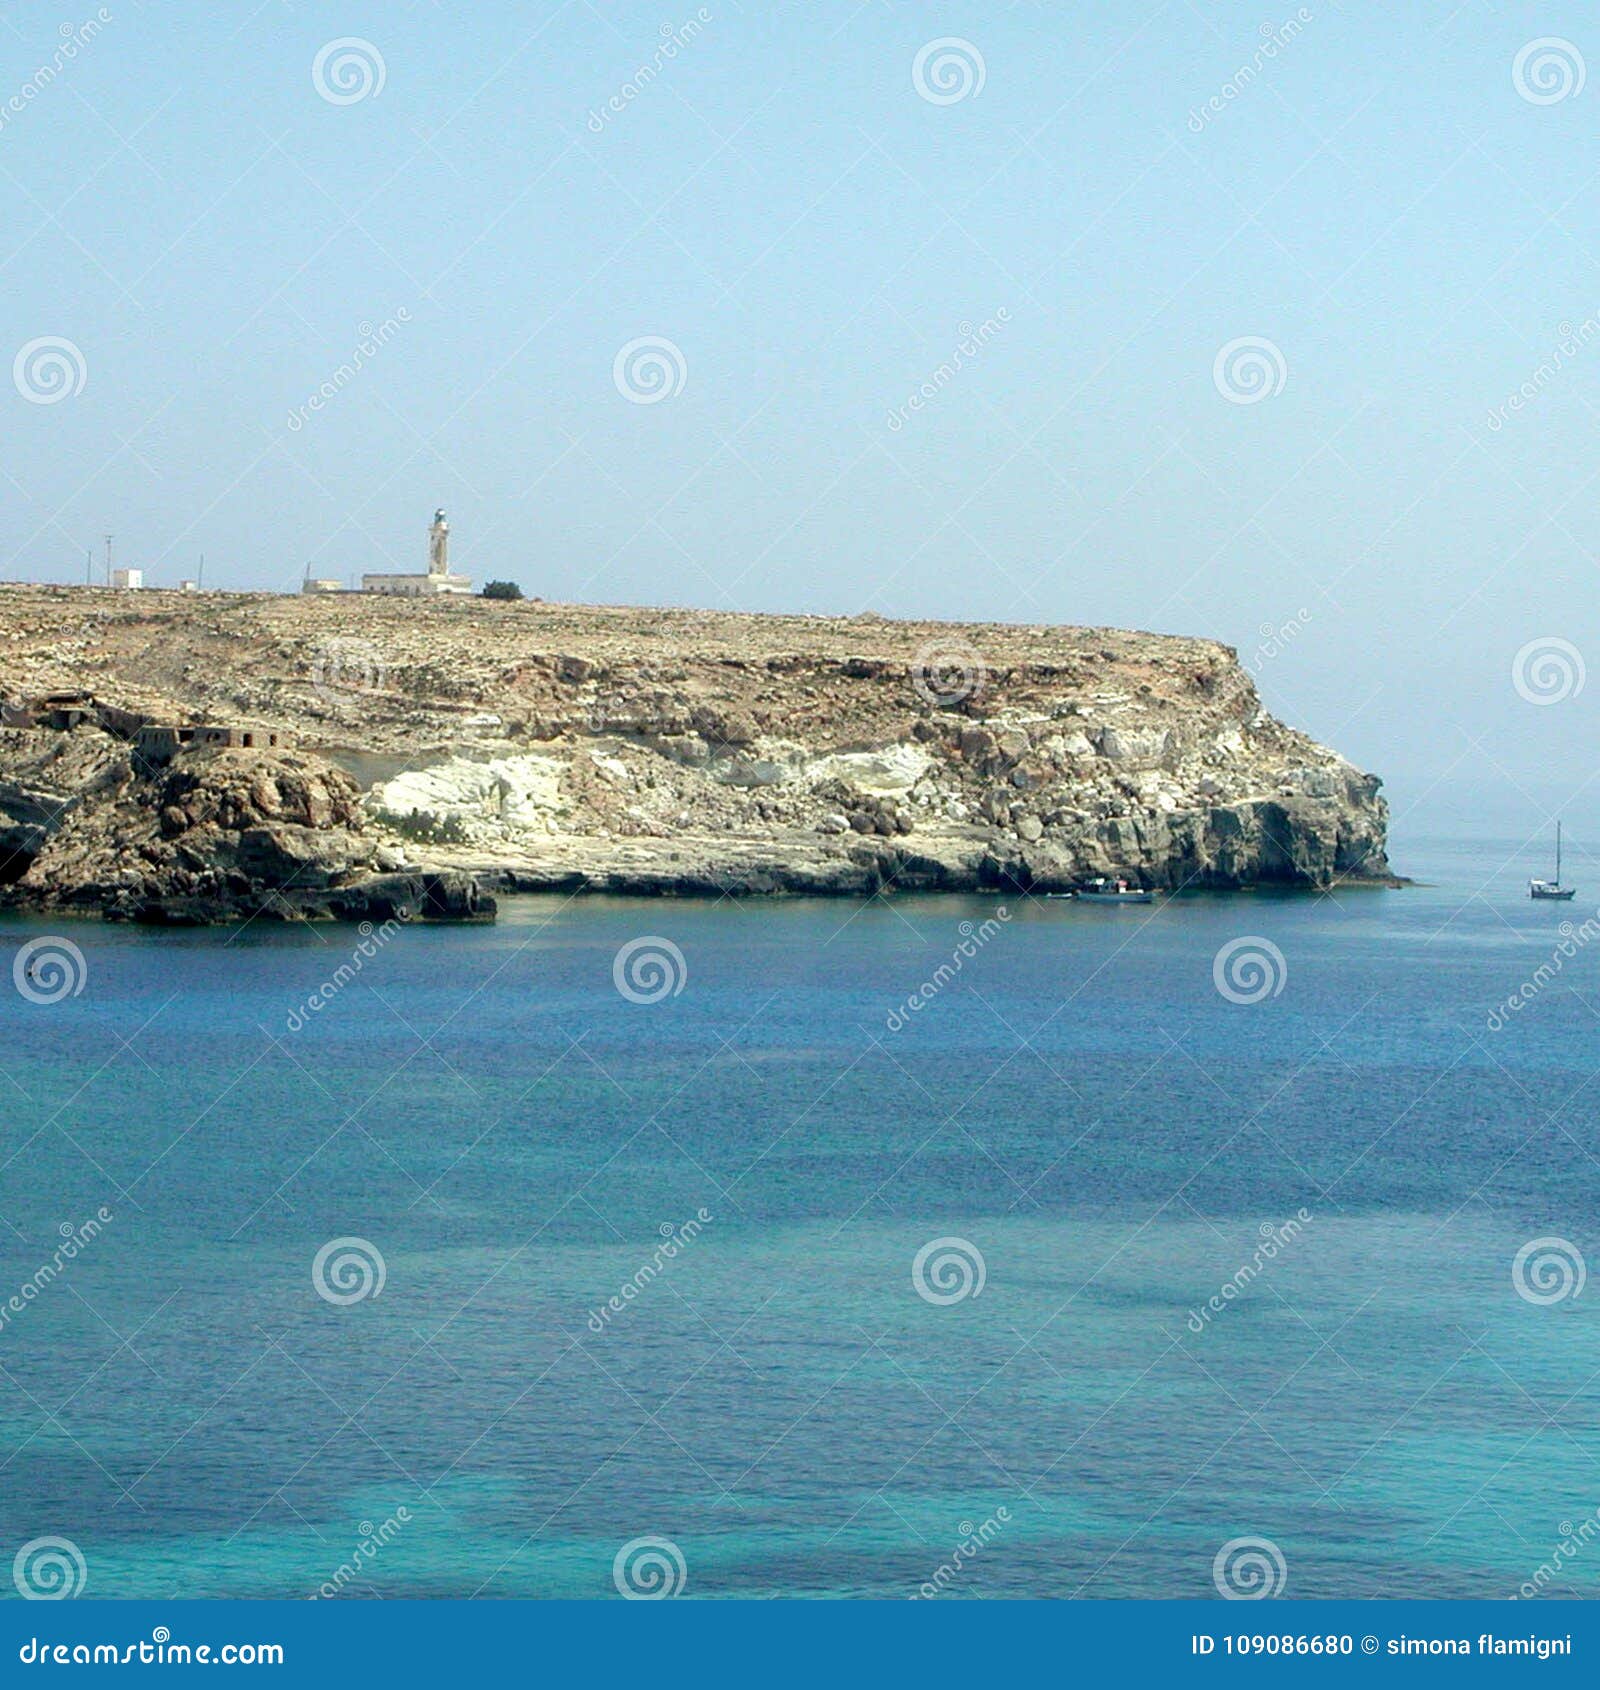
<point>200,579</point>
<point>88,566</point>
<point>109,539</point>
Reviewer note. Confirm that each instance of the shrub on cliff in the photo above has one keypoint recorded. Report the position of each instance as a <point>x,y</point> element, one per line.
<point>502,590</point>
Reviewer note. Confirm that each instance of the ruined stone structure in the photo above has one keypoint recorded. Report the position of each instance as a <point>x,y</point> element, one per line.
<point>157,742</point>
<point>65,710</point>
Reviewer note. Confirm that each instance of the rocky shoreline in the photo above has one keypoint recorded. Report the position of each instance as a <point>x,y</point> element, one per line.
<point>208,758</point>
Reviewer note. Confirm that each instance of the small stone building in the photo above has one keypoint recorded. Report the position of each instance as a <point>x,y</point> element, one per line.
<point>161,742</point>
<point>66,710</point>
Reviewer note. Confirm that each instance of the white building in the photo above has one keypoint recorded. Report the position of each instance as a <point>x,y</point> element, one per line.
<point>126,579</point>
<point>437,582</point>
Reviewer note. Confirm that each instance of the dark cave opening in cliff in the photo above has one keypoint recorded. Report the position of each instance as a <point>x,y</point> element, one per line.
<point>13,865</point>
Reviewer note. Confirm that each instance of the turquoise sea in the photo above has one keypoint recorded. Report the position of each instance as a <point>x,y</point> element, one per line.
<point>1094,1137</point>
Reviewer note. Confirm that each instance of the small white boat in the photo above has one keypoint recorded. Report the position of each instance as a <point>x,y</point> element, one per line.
<point>1553,889</point>
<point>1103,891</point>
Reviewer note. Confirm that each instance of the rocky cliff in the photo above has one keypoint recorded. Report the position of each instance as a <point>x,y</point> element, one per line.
<point>430,751</point>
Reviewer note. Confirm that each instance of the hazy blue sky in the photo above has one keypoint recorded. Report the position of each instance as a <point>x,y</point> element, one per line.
<point>1382,202</point>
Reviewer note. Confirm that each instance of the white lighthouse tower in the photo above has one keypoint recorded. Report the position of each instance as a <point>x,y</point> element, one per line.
<point>437,581</point>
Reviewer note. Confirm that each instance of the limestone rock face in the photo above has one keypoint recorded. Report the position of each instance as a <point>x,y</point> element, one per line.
<point>225,830</point>
<point>538,746</point>
<point>240,791</point>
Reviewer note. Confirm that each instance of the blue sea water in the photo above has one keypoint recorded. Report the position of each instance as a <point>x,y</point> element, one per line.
<point>1105,1136</point>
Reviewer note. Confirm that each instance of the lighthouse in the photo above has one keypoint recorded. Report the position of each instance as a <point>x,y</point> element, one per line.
<point>436,582</point>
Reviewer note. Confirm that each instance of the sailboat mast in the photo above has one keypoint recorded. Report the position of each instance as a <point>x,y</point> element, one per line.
<point>1558,853</point>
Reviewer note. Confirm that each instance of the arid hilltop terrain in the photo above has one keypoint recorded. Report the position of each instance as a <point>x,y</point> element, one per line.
<point>430,753</point>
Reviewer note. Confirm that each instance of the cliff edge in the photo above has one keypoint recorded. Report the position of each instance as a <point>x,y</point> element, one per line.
<point>171,756</point>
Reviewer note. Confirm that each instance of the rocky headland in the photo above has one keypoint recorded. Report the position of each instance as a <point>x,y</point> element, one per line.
<point>207,757</point>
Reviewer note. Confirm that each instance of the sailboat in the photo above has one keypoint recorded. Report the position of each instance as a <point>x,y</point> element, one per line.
<point>1553,888</point>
